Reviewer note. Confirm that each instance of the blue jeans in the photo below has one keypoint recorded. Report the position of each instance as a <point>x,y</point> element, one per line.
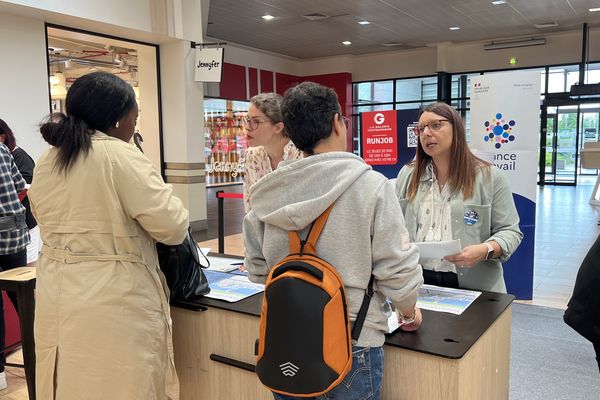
<point>363,382</point>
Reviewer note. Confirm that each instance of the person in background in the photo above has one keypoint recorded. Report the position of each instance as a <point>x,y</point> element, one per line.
<point>356,237</point>
<point>25,164</point>
<point>14,235</point>
<point>582,311</point>
<point>268,141</point>
<point>102,317</point>
<point>448,193</point>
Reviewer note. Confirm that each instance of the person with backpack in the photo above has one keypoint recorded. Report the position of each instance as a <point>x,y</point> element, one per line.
<point>358,237</point>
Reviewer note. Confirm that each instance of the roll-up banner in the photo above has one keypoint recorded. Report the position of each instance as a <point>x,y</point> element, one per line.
<point>505,124</point>
<point>388,139</point>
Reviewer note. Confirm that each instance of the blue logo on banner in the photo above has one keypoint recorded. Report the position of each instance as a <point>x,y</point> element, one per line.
<point>499,131</point>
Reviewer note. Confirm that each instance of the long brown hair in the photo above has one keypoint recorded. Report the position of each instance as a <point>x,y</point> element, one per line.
<point>463,163</point>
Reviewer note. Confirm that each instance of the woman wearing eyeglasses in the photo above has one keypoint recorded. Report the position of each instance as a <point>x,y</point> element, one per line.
<point>268,143</point>
<point>448,193</point>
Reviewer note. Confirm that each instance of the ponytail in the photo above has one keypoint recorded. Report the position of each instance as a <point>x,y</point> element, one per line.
<point>95,102</point>
<point>70,135</point>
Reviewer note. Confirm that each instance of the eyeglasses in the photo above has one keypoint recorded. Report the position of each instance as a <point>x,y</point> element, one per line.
<point>346,120</point>
<point>434,126</point>
<point>252,123</point>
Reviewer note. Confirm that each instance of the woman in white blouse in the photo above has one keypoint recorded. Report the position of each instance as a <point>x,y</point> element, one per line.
<point>267,140</point>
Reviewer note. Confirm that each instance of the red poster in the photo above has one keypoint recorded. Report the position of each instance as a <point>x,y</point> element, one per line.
<point>379,137</point>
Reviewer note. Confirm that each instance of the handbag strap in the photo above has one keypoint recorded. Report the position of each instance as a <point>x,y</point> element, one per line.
<point>194,247</point>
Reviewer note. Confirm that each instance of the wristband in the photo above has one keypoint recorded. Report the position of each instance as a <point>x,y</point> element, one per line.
<point>405,320</point>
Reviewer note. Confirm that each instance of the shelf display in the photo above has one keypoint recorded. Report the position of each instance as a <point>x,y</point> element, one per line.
<point>225,141</point>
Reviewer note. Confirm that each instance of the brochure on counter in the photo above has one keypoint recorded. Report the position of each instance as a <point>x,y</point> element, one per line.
<point>230,286</point>
<point>440,299</point>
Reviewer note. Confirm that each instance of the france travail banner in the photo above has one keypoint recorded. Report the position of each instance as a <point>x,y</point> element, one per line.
<point>505,126</point>
<point>209,65</point>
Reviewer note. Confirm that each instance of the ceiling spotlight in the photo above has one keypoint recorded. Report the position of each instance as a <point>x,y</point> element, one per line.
<point>454,28</point>
<point>346,43</point>
<point>498,2</point>
<point>594,9</point>
<point>267,17</point>
<point>363,22</point>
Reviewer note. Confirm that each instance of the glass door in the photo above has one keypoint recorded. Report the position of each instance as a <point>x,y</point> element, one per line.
<point>589,132</point>
<point>565,145</point>
<point>548,148</point>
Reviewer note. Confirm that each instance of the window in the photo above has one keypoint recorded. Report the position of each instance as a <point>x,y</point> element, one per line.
<point>373,92</point>
<point>416,89</point>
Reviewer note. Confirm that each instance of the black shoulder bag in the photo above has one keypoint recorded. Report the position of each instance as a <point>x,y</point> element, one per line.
<point>182,269</point>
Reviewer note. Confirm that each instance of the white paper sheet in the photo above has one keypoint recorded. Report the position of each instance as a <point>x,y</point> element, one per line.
<point>224,264</point>
<point>393,323</point>
<point>438,249</point>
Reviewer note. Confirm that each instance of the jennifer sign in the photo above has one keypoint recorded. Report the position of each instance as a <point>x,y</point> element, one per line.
<point>379,137</point>
<point>209,64</point>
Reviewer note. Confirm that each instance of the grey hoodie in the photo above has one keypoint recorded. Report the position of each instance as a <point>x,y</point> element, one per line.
<point>362,235</point>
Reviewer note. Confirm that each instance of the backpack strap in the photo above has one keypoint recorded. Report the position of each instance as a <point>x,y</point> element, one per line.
<point>362,313</point>
<point>299,246</point>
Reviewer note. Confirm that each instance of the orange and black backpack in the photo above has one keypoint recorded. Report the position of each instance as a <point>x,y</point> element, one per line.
<point>305,344</point>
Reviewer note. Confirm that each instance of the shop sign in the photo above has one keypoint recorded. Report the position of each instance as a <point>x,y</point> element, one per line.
<point>209,65</point>
<point>232,168</point>
<point>379,137</point>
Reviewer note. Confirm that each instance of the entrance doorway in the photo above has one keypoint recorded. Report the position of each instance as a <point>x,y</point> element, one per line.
<point>567,125</point>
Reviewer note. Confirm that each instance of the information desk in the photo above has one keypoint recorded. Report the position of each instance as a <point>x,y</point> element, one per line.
<point>451,357</point>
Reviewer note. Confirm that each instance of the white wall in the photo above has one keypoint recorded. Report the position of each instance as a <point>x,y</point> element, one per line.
<point>560,48</point>
<point>385,65</point>
<point>255,58</point>
<point>135,14</point>
<point>24,96</point>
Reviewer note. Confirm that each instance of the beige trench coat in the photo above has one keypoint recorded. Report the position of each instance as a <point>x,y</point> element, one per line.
<point>102,323</point>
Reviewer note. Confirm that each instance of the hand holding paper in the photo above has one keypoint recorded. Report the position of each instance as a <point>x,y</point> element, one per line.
<point>469,256</point>
<point>438,250</point>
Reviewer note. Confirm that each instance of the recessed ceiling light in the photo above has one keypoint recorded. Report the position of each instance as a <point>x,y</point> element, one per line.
<point>594,9</point>
<point>454,28</point>
<point>391,44</point>
<point>498,2</point>
<point>346,43</point>
<point>267,17</point>
<point>363,22</point>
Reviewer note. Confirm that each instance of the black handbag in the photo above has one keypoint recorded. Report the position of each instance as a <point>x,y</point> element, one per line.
<point>182,269</point>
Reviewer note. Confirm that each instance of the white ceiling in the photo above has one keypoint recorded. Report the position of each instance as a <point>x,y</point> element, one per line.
<point>414,23</point>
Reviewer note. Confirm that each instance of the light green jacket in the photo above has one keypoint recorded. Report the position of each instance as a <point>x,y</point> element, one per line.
<point>497,220</point>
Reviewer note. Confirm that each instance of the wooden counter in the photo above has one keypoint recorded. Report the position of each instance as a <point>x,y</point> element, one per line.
<point>451,357</point>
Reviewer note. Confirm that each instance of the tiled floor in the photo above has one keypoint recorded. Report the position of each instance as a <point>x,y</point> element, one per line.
<point>566,228</point>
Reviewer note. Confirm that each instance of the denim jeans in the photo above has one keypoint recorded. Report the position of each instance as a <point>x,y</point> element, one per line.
<point>363,382</point>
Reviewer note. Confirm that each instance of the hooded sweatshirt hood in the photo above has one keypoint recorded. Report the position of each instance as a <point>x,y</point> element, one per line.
<point>288,198</point>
